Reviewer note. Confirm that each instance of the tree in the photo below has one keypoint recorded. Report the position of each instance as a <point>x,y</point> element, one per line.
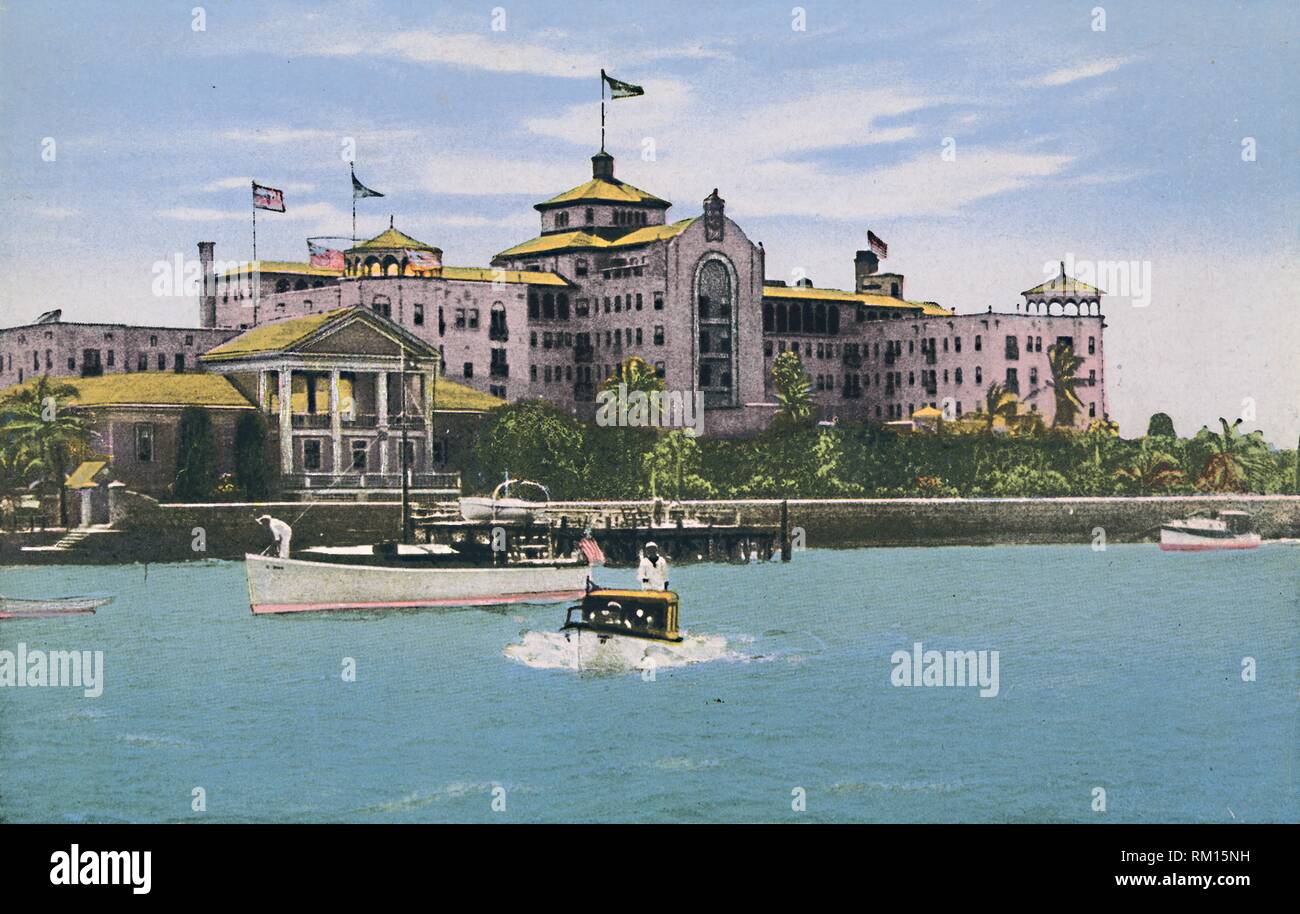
<point>1064,365</point>
<point>998,401</point>
<point>196,455</point>
<point>636,373</point>
<point>41,437</point>
<point>792,390</point>
<point>1161,426</point>
<point>532,439</point>
<point>252,469</point>
<point>1229,457</point>
<point>1152,470</point>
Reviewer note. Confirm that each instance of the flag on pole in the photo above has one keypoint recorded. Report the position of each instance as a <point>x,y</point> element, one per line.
<point>268,198</point>
<point>422,260</point>
<point>360,191</point>
<point>592,551</point>
<point>878,247</point>
<point>325,256</point>
<point>620,89</point>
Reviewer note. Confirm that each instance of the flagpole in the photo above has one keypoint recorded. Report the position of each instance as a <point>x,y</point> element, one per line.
<point>254,220</point>
<point>602,110</point>
<point>354,202</point>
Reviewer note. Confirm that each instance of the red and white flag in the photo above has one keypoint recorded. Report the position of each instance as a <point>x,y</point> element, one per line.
<point>591,549</point>
<point>268,198</point>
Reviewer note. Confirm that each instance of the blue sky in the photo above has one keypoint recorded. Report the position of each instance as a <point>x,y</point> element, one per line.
<point>1122,144</point>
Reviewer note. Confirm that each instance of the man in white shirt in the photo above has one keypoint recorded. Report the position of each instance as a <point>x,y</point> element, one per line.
<point>654,569</point>
<point>281,531</point>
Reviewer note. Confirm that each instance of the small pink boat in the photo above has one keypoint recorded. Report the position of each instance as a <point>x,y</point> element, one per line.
<point>1223,530</point>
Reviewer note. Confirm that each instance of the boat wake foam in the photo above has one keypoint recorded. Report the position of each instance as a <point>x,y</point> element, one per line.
<point>584,652</point>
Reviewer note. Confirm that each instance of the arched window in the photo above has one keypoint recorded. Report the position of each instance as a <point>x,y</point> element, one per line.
<point>391,267</point>
<point>782,318</point>
<point>808,319</point>
<point>833,319</point>
<point>819,324</point>
<point>548,305</point>
<point>768,316</point>
<point>715,289</point>
<point>796,319</point>
<point>533,310</point>
<point>381,304</point>
<point>282,285</point>
<point>300,285</point>
<point>562,306</point>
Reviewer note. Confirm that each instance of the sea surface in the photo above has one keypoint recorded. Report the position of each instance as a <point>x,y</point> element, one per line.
<point>1119,671</point>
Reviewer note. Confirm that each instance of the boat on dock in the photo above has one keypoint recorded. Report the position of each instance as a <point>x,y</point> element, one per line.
<point>647,614</point>
<point>502,507</point>
<point>1219,530</point>
<point>11,608</point>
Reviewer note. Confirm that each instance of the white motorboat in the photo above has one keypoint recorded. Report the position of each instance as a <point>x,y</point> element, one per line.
<point>1222,530</point>
<point>398,576</point>
<point>501,507</point>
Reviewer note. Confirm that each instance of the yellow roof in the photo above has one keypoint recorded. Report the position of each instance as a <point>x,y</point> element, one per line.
<point>392,238</point>
<point>488,274</point>
<point>450,397</point>
<point>1062,284</point>
<point>580,240</point>
<point>928,412</point>
<point>83,477</point>
<point>856,298</point>
<point>281,266</point>
<point>664,595</point>
<point>601,190</point>
<point>274,336</point>
<point>153,388</point>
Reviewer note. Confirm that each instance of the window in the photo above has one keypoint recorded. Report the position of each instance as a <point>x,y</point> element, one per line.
<point>162,362</point>
<point>1013,381</point>
<point>112,358</point>
<point>360,451</point>
<point>178,364</point>
<point>1092,345</point>
<point>562,306</point>
<point>638,342</point>
<point>979,374</point>
<point>548,305</point>
<point>460,318</point>
<point>144,442</point>
<point>1092,378</point>
<point>580,268</point>
<point>767,347</point>
<point>381,304</point>
<point>417,315</point>
<point>468,370</point>
<point>979,342</point>
<point>533,310</point>
<point>659,334</point>
<point>638,301</point>
<point>956,376</point>
<point>189,339</point>
<point>660,370</point>
<point>659,301</point>
<point>591,215</point>
<point>1013,348</point>
<point>311,454</point>
<point>1092,410</point>
<point>153,342</point>
<point>581,307</point>
<point>497,390</point>
<point>142,362</point>
<point>956,344</point>
<point>1033,378</point>
<point>473,318</point>
<point>532,338</point>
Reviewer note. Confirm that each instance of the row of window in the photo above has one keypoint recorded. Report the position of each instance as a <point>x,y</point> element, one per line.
<point>93,362</point>
<point>613,338</point>
<point>929,379</point>
<point>617,217</point>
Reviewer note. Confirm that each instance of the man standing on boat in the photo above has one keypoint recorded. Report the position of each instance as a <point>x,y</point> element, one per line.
<point>654,569</point>
<point>281,531</point>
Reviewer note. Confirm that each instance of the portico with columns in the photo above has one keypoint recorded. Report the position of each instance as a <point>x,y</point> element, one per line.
<point>342,391</point>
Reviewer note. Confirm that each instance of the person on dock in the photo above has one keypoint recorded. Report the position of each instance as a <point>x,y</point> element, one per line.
<point>654,568</point>
<point>280,530</point>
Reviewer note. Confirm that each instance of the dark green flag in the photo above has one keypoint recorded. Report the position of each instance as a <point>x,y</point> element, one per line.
<point>620,89</point>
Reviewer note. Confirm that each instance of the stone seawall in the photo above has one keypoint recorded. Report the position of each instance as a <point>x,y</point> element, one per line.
<point>169,533</point>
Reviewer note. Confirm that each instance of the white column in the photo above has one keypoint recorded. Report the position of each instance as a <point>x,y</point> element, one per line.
<point>381,417</point>
<point>427,381</point>
<point>286,420</point>
<point>336,424</point>
<point>261,390</point>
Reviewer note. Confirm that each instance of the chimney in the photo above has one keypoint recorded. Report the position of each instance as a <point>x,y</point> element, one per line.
<point>602,166</point>
<point>865,263</point>
<point>208,305</point>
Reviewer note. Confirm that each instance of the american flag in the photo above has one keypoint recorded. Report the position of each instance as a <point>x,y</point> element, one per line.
<point>324,256</point>
<point>268,198</point>
<point>877,246</point>
<point>591,549</point>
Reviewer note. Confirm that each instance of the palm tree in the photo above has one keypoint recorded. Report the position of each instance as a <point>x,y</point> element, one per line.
<point>999,401</point>
<point>637,374</point>
<point>792,389</point>
<point>1064,365</point>
<point>41,437</point>
<point>1152,471</point>
<point>1231,456</point>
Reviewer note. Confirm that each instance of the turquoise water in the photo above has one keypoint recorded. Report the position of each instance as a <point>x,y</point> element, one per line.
<point>1118,670</point>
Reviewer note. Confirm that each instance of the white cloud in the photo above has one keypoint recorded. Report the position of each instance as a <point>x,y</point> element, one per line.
<point>56,212</point>
<point>1067,75</point>
<point>324,213</point>
<point>242,183</point>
